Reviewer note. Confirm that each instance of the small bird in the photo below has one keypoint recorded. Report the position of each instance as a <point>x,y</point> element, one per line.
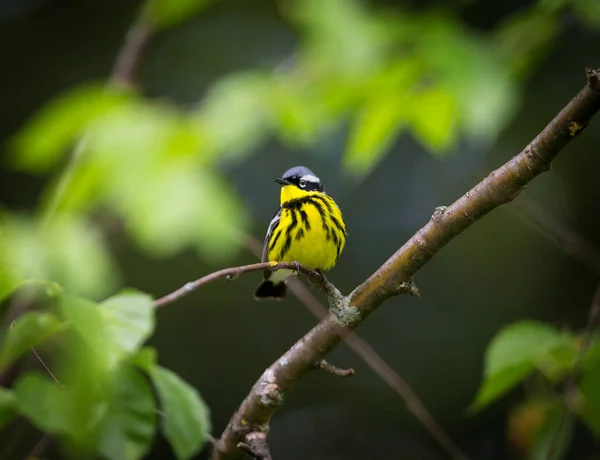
<point>308,228</point>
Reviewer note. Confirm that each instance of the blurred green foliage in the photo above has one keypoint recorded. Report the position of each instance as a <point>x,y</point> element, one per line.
<point>32,328</point>
<point>157,169</point>
<point>514,353</point>
<point>540,428</point>
<point>101,400</point>
<point>590,388</point>
<point>525,348</point>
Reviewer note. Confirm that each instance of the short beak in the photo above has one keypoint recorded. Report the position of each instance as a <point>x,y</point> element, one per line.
<point>283,181</point>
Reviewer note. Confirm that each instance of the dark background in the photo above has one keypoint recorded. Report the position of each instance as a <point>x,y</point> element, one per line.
<point>220,340</point>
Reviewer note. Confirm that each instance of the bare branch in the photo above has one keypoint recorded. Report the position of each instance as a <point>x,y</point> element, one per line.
<point>126,67</point>
<point>377,364</point>
<point>40,448</point>
<point>232,273</point>
<point>500,187</point>
<point>256,446</point>
<point>333,370</point>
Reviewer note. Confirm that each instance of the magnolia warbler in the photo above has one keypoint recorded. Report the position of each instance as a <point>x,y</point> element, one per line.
<point>308,228</point>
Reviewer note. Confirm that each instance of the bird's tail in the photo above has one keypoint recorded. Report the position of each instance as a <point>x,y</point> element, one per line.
<point>267,289</point>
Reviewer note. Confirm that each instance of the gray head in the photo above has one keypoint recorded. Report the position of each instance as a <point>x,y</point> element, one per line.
<point>302,178</point>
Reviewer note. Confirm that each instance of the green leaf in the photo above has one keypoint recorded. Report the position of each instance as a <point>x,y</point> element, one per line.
<point>471,68</point>
<point>526,38</point>
<point>145,359</point>
<point>21,253</point>
<point>588,12</point>
<point>85,318</point>
<point>541,428</point>
<point>186,421</point>
<point>8,406</point>
<point>383,115</point>
<point>44,403</point>
<point>434,119</point>
<point>77,256</point>
<point>234,117</point>
<point>124,147</point>
<point>70,251</point>
<point>129,427</point>
<point>164,14</point>
<point>129,318</point>
<point>589,387</point>
<point>513,354</point>
<point>45,138</point>
<point>499,383</point>
<point>300,112</point>
<point>522,342</point>
<point>553,438</point>
<point>113,329</point>
<point>8,285</point>
<point>592,354</point>
<point>342,37</point>
<point>558,363</point>
<point>186,206</point>
<point>31,329</point>
<point>10,278</point>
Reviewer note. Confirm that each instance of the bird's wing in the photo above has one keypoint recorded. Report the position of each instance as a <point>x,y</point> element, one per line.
<point>272,226</point>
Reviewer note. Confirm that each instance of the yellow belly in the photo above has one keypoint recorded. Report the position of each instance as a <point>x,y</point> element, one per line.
<point>313,251</point>
<point>303,236</point>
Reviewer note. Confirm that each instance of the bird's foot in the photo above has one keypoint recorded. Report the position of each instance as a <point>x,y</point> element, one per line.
<point>332,292</point>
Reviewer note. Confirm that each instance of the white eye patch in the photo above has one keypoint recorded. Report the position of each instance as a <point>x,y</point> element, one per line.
<point>311,178</point>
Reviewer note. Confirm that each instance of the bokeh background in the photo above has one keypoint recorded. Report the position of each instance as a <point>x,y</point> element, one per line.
<point>399,107</point>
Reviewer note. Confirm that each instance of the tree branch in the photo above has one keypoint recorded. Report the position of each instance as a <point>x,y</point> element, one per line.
<point>232,273</point>
<point>126,67</point>
<point>374,361</point>
<point>501,186</point>
<point>333,370</point>
<point>256,446</point>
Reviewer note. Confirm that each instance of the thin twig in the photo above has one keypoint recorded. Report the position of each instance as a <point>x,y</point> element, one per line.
<point>45,366</point>
<point>500,187</point>
<point>231,273</point>
<point>572,243</point>
<point>44,443</point>
<point>126,67</point>
<point>40,448</point>
<point>334,370</point>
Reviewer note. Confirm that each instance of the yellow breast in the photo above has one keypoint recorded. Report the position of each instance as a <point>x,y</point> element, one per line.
<point>311,230</point>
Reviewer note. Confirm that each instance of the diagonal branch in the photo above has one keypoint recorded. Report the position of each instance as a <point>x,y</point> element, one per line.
<point>126,67</point>
<point>346,313</point>
<point>377,364</point>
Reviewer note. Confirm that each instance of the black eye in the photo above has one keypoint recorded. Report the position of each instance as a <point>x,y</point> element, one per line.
<point>302,183</point>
